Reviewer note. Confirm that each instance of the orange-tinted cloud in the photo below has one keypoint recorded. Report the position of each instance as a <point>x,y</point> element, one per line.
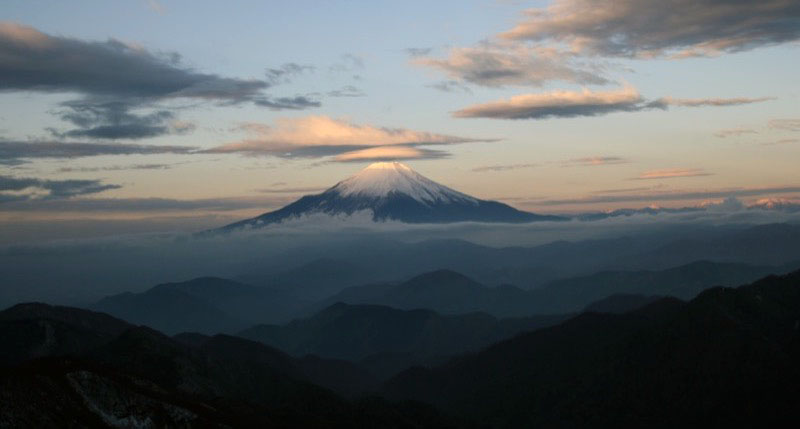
<point>317,136</point>
<point>669,173</point>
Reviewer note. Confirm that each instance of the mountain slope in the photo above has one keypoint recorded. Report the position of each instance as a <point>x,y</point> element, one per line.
<point>728,358</point>
<point>387,340</point>
<point>393,191</point>
<point>140,378</point>
<point>206,304</point>
<point>449,292</point>
<point>443,291</point>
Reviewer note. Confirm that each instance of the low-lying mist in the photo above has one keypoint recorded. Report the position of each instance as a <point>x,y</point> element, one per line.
<point>78,272</point>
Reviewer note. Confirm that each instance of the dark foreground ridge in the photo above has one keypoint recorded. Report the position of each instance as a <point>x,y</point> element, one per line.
<point>727,358</point>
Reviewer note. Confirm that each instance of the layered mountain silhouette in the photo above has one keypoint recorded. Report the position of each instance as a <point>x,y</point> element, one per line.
<point>449,292</point>
<point>66,367</point>
<point>386,340</point>
<point>393,191</point>
<point>728,358</point>
<point>206,305</point>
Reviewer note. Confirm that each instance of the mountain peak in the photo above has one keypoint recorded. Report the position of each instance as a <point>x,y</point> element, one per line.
<point>380,179</point>
<point>392,165</point>
<point>394,191</point>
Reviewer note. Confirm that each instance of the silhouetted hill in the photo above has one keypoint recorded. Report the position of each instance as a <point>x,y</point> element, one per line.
<point>387,340</point>
<point>443,291</point>
<point>449,292</point>
<point>728,358</point>
<point>319,278</point>
<point>34,330</point>
<point>140,377</point>
<point>685,282</point>
<point>620,303</point>
<point>770,244</point>
<point>206,304</point>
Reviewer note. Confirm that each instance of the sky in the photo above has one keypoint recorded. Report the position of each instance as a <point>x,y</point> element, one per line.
<point>156,115</point>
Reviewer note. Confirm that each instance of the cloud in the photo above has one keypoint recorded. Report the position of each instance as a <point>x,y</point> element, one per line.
<point>594,161</point>
<point>318,136</point>
<point>116,78</point>
<point>34,61</point>
<point>390,153</point>
<point>299,190</point>
<point>450,86</point>
<point>569,104</point>
<point>142,205</point>
<point>781,141</point>
<point>503,167</point>
<point>15,151</point>
<point>156,7</point>
<point>670,173</point>
<point>115,168</point>
<point>564,104</point>
<point>347,63</point>
<point>418,52</point>
<point>785,124</point>
<point>655,28</point>
<point>500,65</point>
<point>734,132</point>
<point>286,72</point>
<point>28,188</point>
<point>298,102</point>
<point>674,196</point>
<point>700,102</point>
<point>347,91</point>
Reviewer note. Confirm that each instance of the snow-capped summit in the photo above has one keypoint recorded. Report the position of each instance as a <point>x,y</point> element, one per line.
<point>382,178</point>
<point>393,191</point>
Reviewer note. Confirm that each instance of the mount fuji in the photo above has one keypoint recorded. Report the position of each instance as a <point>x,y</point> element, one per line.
<point>393,191</point>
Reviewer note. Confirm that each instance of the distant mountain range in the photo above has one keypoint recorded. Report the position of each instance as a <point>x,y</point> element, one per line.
<point>212,305</point>
<point>393,191</point>
<point>207,305</point>
<point>449,292</point>
<point>386,340</point>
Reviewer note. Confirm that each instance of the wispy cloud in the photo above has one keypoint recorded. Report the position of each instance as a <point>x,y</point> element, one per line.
<point>496,65</point>
<point>28,188</point>
<point>285,190</point>
<point>347,91</point>
<point>320,136</point>
<point>144,205</point>
<point>504,167</point>
<point>115,168</point>
<point>700,102</point>
<point>14,152</point>
<point>734,132</point>
<point>569,104</point>
<point>418,52</point>
<point>781,142</point>
<point>647,29</point>
<point>785,124</point>
<point>670,173</point>
<point>672,196</point>
<point>594,161</point>
<point>286,72</point>
<point>450,86</point>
